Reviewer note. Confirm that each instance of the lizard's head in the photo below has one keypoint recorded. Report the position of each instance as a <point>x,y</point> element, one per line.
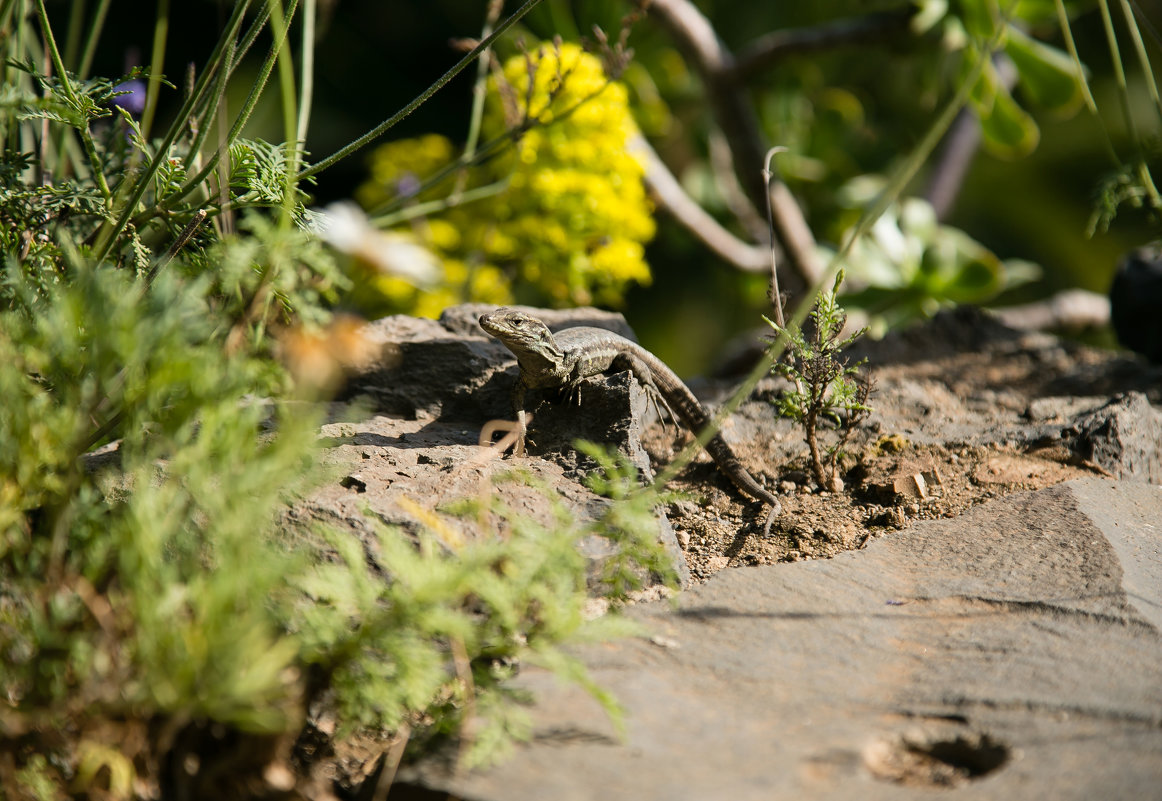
<point>517,330</point>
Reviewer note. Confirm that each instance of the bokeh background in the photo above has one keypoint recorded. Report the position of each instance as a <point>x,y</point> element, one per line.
<point>845,112</point>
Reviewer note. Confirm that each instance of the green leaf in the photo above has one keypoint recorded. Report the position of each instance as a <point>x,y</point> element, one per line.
<point>1009,131</point>
<point>1046,74</point>
<point>978,18</point>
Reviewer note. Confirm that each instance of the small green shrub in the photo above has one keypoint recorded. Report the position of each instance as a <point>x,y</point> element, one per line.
<point>826,387</point>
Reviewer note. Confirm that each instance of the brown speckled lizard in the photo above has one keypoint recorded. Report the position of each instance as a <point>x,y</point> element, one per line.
<point>563,361</point>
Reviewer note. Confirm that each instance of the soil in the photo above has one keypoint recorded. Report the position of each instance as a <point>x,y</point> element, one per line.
<point>964,413</point>
<point>720,532</point>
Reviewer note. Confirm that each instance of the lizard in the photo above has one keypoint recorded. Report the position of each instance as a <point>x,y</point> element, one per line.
<point>563,361</point>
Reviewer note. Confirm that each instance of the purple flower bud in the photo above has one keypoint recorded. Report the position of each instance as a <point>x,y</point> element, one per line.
<point>408,185</point>
<point>134,100</point>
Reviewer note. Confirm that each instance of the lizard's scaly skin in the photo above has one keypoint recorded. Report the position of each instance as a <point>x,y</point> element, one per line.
<point>564,360</point>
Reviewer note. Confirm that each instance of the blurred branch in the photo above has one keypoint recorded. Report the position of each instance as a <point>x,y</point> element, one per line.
<point>952,163</point>
<point>1071,310</point>
<point>669,195</point>
<point>695,36</point>
<point>777,45</point>
<point>959,148</point>
<point>733,194</point>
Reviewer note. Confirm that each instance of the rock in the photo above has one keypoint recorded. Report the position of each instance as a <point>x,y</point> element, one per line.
<point>1014,652</point>
<point>1135,298</point>
<point>400,472</point>
<point>445,379</point>
<point>1122,437</point>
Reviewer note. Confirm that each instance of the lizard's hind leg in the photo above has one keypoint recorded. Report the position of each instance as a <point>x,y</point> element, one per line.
<point>641,372</point>
<point>659,401</point>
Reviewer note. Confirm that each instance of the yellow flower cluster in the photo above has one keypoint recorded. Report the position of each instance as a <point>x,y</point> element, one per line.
<point>575,207</point>
<point>571,217</point>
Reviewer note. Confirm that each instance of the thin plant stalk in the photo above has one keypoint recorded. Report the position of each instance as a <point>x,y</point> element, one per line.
<point>1143,58</point>
<point>479,89</point>
<point>441,204</point>
<point>306,71</point>
<point>895,185</point>
<point>286,83</point>
<point>776,295</point>
<point>73,37</point>
<point>389,123</point>
<point>70,93</point>
<point>96,27</point>
<point>486,150</point>
<point>1119,71</point>
<point>156,67</point>
<point>240,121</point>
<point>109,233</point>
<point>1124,99</point>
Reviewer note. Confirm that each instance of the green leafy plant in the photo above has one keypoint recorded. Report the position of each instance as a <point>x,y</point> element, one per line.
<point>910,265</point>
<point>826,387</point>
<point>154,614</point>
<point>629,522</point>
<point>432,648</point>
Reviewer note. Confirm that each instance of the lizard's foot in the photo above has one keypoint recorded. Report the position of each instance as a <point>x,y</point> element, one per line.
<point>659,401</point>
<point>776,510</point>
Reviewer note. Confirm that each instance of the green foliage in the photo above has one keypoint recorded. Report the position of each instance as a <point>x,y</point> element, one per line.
<point>910,265</point>
<point>1047,76</point>
<point>826,387</point>
<point>630,523</point>
<point>443,634</point>
<point>147,582</point>
<point>194,485</point>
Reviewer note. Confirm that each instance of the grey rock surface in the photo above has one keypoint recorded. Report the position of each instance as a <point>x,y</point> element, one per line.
<point>395,471</point>
<point>1122,437</point>
<point>1013,652</point>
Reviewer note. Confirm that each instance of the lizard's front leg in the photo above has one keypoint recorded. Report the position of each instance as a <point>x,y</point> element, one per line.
<point>522,428</point>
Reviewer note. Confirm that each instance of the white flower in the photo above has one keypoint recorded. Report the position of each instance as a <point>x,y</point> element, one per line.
<point>345,227</point>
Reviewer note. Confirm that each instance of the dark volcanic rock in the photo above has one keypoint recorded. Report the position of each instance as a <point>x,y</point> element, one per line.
<point>1135,300</point>
<point>1122,437</point>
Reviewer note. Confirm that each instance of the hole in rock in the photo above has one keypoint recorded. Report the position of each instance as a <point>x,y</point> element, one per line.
<point>946,762</point>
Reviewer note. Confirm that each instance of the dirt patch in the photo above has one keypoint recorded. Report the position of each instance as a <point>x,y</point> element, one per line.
<point>966,411</point>
<point>884,493</point>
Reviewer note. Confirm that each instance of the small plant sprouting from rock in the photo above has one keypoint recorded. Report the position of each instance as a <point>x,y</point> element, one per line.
<point>826,386</point>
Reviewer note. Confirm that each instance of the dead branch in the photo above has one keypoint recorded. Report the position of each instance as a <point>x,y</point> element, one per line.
<point>670,195</point>
<point>696,37</point>
<point>768,50</point>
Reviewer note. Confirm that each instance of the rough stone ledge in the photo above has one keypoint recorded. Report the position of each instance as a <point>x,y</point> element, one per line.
<point>1013,652</point>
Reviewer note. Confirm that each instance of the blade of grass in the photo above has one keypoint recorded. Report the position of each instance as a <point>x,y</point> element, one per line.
<point>109,233</point>
<point>387,124</point>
